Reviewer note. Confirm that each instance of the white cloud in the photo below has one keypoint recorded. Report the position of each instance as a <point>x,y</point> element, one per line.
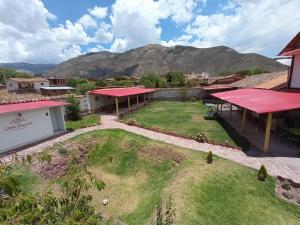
<point>99,12</point>
<point>26,36</point>
<point>103,36</point>
<point>253,26</point>
<point>118,45</point>
<point>87,21</point>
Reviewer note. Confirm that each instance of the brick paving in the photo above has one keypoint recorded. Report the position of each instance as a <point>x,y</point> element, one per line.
<point>275,165</point>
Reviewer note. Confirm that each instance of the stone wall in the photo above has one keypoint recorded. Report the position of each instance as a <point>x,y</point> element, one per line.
<point>176,93</point>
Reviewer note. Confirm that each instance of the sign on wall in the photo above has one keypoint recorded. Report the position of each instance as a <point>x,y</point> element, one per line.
<point>17,124</point>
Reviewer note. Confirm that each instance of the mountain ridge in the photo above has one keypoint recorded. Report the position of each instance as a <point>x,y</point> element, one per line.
<point>161,59</point>
<point>28,67</point>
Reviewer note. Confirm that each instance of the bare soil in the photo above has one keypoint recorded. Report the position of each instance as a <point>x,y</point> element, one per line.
<point>288,190</point>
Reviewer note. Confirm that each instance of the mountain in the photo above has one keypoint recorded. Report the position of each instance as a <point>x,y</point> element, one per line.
<point>162,59</point>
<point>28,67</point>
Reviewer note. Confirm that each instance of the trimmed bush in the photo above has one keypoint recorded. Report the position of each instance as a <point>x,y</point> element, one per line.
<point>209,157</point>
<point>73,109</point>
<point>262,173</point>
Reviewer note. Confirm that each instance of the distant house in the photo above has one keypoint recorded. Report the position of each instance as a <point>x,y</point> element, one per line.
<point>23,85</point>
<point>53,81</point>
<point>292,50</point>
<point>56,90</point>
<point>225,79</point>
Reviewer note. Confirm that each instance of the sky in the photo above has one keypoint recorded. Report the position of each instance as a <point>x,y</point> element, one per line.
<point>51,31</point>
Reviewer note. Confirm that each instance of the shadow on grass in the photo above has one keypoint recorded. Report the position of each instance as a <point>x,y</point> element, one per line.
<point>234,134</point>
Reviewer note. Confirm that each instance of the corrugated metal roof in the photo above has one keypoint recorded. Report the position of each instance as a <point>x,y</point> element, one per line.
<point>58,88</point>
<point>291,46</point>
<point>18,107</point>
<point>121,92</point>
<point>261,101</point>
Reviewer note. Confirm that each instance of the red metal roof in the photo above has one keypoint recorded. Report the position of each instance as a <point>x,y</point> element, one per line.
<point>261,101</point>
<point>121,92</point>
<point>291,46</point>
<point>9,108</point>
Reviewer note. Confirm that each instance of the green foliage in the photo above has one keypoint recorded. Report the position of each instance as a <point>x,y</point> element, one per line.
<point>248,72</point>
<point>73,109</point>
<point>176,79</point>
<point>165,216</point>
<point>100,83</point>
<point>84,87</point>
<point>125,83</point>
<point>71,207</point>
<point>201,137</point>
<point>9,185</point>
<point>209,157</point>
<point>74,82</point>
<point>119,78</point>
<point>43,157</point>
<point>262,173</point>
<point>10,73</point>
<point>152,80</point>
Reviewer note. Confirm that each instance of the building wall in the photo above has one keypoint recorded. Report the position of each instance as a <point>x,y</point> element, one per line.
<point>32,126</point>
<point>38,85</point>
<point>176,93</point>
<point>295,79</point>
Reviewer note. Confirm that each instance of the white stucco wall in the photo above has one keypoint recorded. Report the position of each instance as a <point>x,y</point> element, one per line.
<point>34,126</point>
<point>11,85</point>
<point>295,81</point>
<point>38,85</point>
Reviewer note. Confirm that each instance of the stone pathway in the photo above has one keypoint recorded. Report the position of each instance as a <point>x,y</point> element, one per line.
<point>275,165</point>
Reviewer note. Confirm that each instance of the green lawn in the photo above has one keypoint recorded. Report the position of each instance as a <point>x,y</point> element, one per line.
<point>87,120</point>
<point>136,169</point>
<point>186,118</point>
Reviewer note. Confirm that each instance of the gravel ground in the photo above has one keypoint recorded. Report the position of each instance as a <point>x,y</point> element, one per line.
<point>275,166</point>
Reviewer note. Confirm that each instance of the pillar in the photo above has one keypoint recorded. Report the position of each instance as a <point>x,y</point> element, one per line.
<point>137,99</point>
<point>149,97</point>
<point>244,120</point>
<point>128,99</point>
<point>144,99</point>
<point>268,132</point>
<point>221,108</point>
<point>117,106</point>
<point>230,112</point>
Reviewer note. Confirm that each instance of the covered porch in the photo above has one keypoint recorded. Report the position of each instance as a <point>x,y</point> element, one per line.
<point>260,116</point>
<point>119,100</point>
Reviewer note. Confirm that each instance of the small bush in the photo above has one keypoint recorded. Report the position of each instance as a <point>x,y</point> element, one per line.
<point>200,137</point>
<point>63,151</point>
<point>73,109</point>
<point>131,122</point>
<point>193,99</point>
<point>209,157</point>
<point>262,173</point>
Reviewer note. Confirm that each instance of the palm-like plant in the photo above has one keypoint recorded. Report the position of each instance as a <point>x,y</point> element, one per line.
<point>8,181</point>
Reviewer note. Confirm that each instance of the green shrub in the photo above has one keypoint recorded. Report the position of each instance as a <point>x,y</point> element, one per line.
<point>193,99</point>
<point>262,173</point>
<point>63,151</point>
<point>73,109</point>
<point>209,157</point>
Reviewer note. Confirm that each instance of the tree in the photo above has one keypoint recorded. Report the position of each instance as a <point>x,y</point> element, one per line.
<point>262,173</point>
<point>73,109</point>
<point>209,157</point>
<point>82,88</point>
<point>176,79</point>
<point>152,80</point>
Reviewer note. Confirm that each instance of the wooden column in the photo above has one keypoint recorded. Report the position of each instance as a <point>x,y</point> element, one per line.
<point>149,97</point>
<point>117,106</point>
<point>230,112</point>
<point>221,108</point>
<point>244,120</point>
<point>128,99</point>
<point>144,99</point>
<point>268,132</point>
<point>137,99</point>
<point>218,105</point>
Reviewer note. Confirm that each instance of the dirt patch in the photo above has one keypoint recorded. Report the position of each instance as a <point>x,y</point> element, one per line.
<point>288,190</point>
<point>160,153</point>
<point>60,155</point>
<point>197,117</point>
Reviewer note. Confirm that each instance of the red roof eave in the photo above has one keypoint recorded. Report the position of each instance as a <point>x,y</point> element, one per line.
<point>18,107</point>
<point>121,92</point>
<point>261,101</point>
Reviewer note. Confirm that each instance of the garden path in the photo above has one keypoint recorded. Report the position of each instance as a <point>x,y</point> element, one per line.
<point>275,165</point>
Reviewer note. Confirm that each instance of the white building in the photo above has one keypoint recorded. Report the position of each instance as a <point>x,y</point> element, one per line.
<point>22,124</point>
<point>26,84</point>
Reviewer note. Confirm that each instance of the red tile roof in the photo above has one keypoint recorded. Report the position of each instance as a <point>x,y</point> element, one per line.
<point>121,92</point>
<point>261,101</point>
<point>9,108</point>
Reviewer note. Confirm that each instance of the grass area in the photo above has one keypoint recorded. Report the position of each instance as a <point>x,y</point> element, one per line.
<point>136,170</point>
<point>186,118</point>
<point>86,121</point>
